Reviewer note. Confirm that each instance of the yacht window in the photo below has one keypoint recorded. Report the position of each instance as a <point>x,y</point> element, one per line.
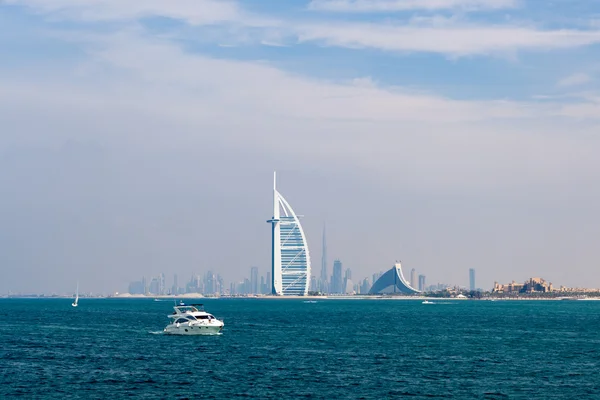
<point>191,317</point>
<point>203,317</point>
<point>181,321</point>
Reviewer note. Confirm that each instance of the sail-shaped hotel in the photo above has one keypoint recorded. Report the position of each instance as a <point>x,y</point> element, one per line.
<point>289,251</point>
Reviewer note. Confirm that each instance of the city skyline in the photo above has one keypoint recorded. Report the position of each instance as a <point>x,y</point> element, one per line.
<point>136,138</point>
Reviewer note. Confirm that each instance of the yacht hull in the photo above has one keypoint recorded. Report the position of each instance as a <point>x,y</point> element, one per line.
<point>196,329</point>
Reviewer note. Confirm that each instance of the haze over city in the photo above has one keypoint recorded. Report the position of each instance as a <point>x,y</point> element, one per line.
<point>140,137</point>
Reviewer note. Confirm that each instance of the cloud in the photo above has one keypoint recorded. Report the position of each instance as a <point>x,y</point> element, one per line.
<point>135,76</point>
<point>587,110</point>
<point>193,12</point>
<point>431,35</point>
<point>574,80</point>
<point>403,5</point>
<point>457,40</point>
<point>158,78</point>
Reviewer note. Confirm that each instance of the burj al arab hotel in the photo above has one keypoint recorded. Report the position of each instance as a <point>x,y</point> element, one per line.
<point>289,250</point>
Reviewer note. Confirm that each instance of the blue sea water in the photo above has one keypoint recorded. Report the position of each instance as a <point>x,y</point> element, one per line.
<point>279,349</point>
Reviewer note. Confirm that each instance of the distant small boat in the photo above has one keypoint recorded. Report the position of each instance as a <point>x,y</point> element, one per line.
<point>428,302</point>
<point>310,301</point>
<point>74,304</point>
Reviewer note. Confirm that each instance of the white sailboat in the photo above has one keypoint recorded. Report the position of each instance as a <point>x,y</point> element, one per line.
<point>76,296</point>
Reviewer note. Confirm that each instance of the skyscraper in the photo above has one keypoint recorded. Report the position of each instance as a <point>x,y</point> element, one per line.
<point>313,284</point>
<point>422,283</point>
<point>175,288</point>
<point>471,279</point>
<point>290,259</point>
<point>336,278</point>
<point>254,280</point>
<point>413,278</point>
<point>154,286</point>
<point>347,285</point>
<point>323,287</point>
<point>365,286</point>
<point>161,284</point>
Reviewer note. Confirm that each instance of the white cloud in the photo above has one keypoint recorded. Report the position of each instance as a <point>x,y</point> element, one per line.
<point>402,5</point>
<point>194,12</point>
<point>574,80</point>
<point>435,35</point>
<point>129,72</point>
<point>587,110</point>
<point>454,40</point>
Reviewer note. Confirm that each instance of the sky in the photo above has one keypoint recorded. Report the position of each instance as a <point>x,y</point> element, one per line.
<point>140,136</point>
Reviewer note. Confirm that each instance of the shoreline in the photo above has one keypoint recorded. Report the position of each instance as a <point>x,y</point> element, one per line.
<point>199,296</point>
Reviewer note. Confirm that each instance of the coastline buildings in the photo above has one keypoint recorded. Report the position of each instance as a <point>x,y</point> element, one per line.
<point>290,259</point>
<point>529,286</point>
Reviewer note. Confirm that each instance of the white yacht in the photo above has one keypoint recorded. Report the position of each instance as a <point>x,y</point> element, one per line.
<point>192,320</point>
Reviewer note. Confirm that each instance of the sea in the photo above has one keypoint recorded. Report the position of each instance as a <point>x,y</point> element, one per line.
<point>294,348</point>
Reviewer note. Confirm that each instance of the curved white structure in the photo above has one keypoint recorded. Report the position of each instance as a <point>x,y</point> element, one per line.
<point>394,279</point>
<point>289,257</point>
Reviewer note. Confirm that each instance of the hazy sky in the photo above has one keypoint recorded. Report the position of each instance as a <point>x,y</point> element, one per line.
<point>139,137</point>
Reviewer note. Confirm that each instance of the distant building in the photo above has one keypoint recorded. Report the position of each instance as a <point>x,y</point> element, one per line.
<point>162,288</point>
<point>314,287</point>
<point>345,284</point>
<point>336,278</point>
<point>365,286</point>
<point>137,287</point>
<point>323,286</point>
<point>254,280</point>
<point>532,285</point>
<point>348,287</point>
<point>376,276</point>
<point>393,281</point>
<point>421,283</point>
<point>471,279</point>
<point>154,286</point>
<point>289,250</point>
<point>413,278</point>
<point>175,288</point>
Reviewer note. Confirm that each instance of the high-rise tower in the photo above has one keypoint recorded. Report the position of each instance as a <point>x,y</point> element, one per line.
<point>471,279</point>
<point>290,258</point>
<point>254,280</point>
<point>324,285</point>
<point>336,278</point>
